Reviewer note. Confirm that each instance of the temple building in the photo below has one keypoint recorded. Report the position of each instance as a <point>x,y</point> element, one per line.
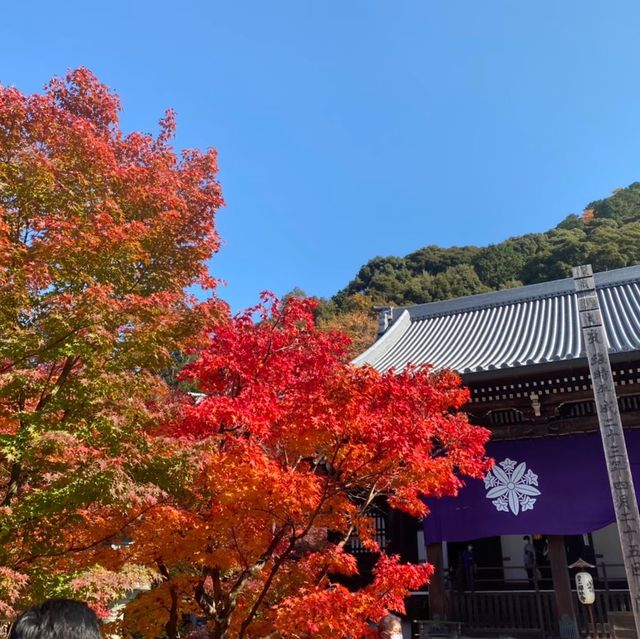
<point>504,546</point>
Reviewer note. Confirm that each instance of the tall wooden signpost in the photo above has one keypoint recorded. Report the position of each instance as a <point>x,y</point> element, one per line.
<point>615,449</point>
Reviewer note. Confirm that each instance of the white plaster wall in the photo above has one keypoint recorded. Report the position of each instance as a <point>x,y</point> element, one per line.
<point>512,556</point>
<point>606,544</point>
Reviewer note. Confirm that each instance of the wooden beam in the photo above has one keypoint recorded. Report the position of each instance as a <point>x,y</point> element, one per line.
<point>569,426</point>
<point>437,592</point>
<point>553,399</point>
<point>562,587</point>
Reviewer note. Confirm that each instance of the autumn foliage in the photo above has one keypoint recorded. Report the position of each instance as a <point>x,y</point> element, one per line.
<point>236,505</point>
<point>100,233</point>
<point>289,446</point>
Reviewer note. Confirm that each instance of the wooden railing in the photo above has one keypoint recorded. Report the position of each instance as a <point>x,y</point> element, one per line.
<point>530,613</point>
<point>606,601</point>
<point>507,611</point>
<point>517,611</point>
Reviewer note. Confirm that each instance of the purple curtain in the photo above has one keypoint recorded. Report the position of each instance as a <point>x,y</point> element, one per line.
<point>551,486</point>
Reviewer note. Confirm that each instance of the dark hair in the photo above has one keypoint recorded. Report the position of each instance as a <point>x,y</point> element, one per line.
<point>527,538</point>
<point>56,619</point>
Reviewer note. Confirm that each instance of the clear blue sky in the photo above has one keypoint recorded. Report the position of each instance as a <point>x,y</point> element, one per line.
<point>348,129</point>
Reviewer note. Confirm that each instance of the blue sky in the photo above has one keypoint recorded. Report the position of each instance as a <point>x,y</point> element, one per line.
<point>348,129</point>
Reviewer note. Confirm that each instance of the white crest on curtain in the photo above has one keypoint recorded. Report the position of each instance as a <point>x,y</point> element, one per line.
<point>512,487</point>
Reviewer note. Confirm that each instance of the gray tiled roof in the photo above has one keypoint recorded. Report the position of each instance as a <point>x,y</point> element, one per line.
<point>531,325</point>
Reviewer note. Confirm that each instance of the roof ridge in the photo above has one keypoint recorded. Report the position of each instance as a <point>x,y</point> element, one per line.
<point>521,294</point>
<point>528,326</point>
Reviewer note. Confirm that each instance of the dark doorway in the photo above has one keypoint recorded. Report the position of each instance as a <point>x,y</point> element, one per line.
<point>543,562</point>
<point>487,558</point>
<point>581,547</point>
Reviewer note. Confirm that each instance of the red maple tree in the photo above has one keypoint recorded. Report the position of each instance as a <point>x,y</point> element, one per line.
<point>237,507</point>
<point>288,447</point>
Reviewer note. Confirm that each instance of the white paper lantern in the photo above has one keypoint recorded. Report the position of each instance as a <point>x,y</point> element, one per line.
<point>584,586</point>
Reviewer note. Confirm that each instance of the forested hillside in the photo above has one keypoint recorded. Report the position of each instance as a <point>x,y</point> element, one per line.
<point>606,234</point>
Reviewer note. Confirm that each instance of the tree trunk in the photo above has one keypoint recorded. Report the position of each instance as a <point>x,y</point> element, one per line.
<point>14,484</point>
<point>171,626</point>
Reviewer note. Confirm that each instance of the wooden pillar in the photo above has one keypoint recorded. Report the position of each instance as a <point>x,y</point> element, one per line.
<point>437,592</point>
<point>562,587</point>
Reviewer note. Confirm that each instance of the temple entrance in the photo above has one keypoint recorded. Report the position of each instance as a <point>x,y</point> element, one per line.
<point>477,569</point>
<point>498,596</point>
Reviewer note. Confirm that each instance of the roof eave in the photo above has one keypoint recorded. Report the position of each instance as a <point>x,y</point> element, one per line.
<point>529,370</point>
<point>385,342</point>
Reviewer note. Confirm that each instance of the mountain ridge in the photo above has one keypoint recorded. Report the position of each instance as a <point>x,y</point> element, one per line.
<point>606,234</point>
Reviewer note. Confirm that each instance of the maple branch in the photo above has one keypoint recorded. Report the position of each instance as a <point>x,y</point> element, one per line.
<point>67,367</point>
<point>367,502</point>
<point>44,349</point>
<point>93,544</point>
<point>202,598</point>
<point>14,483</point>
<point>366,462</point>
<point>213,606</point>
<point>15,477</point>
<point>171,627</point>
<point>285,554</point>
<point>269,350</point>
<point>265,588</point>
<point>345,538</point>
<point>217,585</point>
<point>65,551</point>
<point>253,570</point>
<point>243,559</point>
<point>163,570</point>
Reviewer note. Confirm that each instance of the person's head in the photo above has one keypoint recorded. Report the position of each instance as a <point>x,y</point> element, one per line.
<point>56,619</point>
<point>526,539</point>
<point>390,627</point>
<point>469,547</point>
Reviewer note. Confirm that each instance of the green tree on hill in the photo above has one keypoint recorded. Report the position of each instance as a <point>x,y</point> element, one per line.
<point>607,235</point>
